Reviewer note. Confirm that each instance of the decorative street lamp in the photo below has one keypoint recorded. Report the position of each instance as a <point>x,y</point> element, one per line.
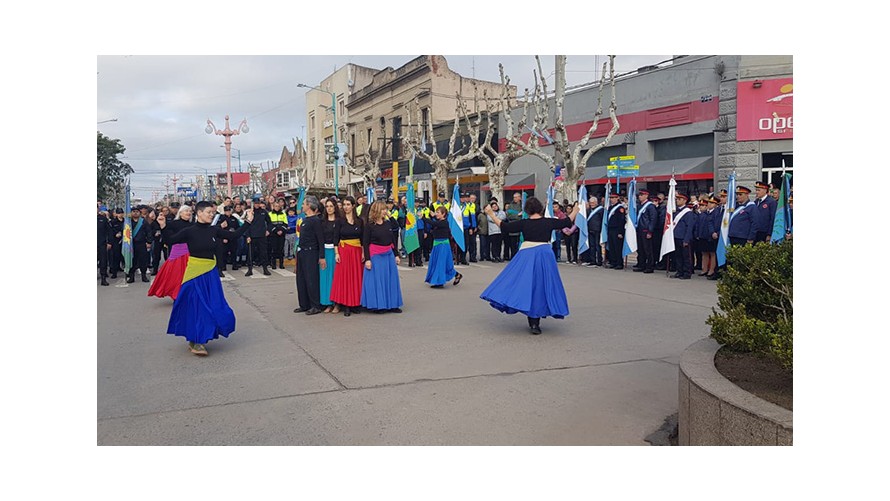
<point>228,133</point>
<point>334,110</point>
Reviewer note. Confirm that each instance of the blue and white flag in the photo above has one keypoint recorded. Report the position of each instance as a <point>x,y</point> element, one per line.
<point>630,225</point>
<point>604,230</point>
<point>369,194</point>
<point>456,218</point>
<point>723,238</point>
<point>583,245</point>
<point>782,223</point>
<point>548,210</point>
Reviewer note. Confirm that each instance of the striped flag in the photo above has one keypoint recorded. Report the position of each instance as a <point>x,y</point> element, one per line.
<point>723,239</point>
<point>604,231</point>
<point>782,223</point>
<point>127,245</point>
<point>582,214</point>
<point>630,226</point>
<point>548,210</point>
<point>456,218</point>
<point>667,242</point>
<point>299,218</point>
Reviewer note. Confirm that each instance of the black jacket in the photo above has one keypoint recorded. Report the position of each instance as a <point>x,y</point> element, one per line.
<point>117,228</point>
<point>103,229</point>
<point>311,234</point>
<point>144,236</point>
<point>260,224</point>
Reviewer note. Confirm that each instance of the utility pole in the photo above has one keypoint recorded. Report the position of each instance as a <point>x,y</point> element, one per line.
<point>228,133</point>
<point>175,192</point>
<point>167,189</point>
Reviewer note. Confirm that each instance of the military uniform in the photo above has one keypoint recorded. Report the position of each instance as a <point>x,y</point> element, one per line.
<point>142,239</point>
<point>616,222</point>
<point>764,215</point>
<point>259,242</point>
<point>103,228</point>
<point>648,216</point>
<point>684,233</point>
<point>741,221</point>
<point>277,236</point>
<point>117,239</point>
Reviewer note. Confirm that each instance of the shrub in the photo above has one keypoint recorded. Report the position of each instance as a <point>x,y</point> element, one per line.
<point>755,296</point>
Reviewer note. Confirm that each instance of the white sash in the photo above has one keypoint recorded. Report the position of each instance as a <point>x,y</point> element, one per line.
<point>614,209</point>
<point>680,215</point>
<point>599,208</point>
<point>739,210</point>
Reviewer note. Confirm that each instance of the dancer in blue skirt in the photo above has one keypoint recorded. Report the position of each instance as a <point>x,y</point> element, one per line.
<point>200,312</point>
<point>441,265</point>
<point>530,284</point>
<point>381,290</point>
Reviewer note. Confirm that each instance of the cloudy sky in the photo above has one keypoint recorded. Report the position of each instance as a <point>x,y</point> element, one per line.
<point>161,103</point>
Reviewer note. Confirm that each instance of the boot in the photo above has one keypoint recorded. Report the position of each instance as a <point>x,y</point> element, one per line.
<point>274,264</point>
<point>281,263</point>
<point>249,271</point>
<point>114,275</point>
<point>266,270</point>
<point>145,278</point>
<point>221,274</point>
<point>130,279</point>
<point>104,281</point>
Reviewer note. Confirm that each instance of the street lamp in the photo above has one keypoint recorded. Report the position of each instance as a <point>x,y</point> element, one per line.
<point>228,133</point>
<point>334,110</point>
<point>105,121</point>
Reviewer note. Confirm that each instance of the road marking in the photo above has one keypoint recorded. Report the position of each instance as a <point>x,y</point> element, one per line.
<point>122,285</point>
<point>284,273</point>
<point>226,279</point>
<point>480,265</point>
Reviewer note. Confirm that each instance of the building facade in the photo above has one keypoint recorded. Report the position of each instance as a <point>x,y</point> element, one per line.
<point>698,118</point>
<point>320,125</point>
<point>378,117</point>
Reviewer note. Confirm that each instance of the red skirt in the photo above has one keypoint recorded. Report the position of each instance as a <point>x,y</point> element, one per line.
<point>169,278</point>
<point>347,286</point>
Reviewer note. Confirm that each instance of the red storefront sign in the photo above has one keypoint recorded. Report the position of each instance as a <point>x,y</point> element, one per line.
<point>765,110</point>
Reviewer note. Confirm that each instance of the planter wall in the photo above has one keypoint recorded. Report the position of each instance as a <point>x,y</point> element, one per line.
<point>714,411</point>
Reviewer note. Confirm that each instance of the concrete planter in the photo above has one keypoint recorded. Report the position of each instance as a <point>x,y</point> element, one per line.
<point>714,411</point>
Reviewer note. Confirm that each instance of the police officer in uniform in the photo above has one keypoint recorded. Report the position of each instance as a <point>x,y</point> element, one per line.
<point>764,213</point>
<point>741,222</point>
<point>661,215</point>
<point>142,238</point>
<point>594,229</point>
<point>277,234</point>
<point>258,238</point>
<point>648,215</point>
<point>617,218</point>
<point>117,240</point>
<point>103,244</point>
<point>473,211</point>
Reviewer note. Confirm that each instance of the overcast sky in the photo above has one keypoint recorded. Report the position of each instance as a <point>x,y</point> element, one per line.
<point>162,103</point>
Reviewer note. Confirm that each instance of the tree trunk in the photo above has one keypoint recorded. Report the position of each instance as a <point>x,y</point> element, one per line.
<point>496,177</point>
<point>442,178</point>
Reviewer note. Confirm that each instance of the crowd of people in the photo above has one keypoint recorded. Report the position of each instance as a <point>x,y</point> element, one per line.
<point>347,250</point>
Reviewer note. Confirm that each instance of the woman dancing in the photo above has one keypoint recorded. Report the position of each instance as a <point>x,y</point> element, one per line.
<point>200,312</point>
<point>530,283</point>
<point>441,265</point>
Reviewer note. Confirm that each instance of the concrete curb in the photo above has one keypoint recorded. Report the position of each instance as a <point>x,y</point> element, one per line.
<point>714,411</point>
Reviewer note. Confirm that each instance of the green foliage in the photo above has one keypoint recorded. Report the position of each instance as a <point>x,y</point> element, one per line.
<point>755,296</point>
<point>111,172</point>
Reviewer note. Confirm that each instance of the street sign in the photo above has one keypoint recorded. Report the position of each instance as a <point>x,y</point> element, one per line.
<point>624,166</point>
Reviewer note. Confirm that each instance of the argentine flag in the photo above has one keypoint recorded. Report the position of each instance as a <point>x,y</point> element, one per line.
<point>723,239</point>
<point>548,210</point>
<point>582,213</point>
<point>456,218</point>
<point>667,242</point>
<point>630,226</point>
<point>604,230</point>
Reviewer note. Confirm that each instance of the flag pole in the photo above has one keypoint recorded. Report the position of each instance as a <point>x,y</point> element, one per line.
<point>667,265</point>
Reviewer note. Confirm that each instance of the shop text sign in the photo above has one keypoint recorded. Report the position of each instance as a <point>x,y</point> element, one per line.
<point>765,110</point>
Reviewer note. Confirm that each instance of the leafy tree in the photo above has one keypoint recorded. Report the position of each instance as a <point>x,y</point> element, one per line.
<point>111,171</point>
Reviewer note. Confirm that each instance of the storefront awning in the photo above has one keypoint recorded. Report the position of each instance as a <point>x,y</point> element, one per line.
<point>684,169</point>
<point>516,182</point>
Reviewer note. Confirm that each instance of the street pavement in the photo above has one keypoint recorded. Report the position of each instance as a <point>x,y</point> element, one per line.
<point>449,370</point>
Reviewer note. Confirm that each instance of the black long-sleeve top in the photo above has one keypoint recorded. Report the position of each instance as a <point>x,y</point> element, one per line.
<point>331,231</point>
<point>261,224</point>
<point>441,229</point>
<point>104,230</point>
<point>143,236</point>
<point>535,230</point>
<point>351,231</point>
<point>117,228</point>
<point>174,227</point>
<point>311,234</point>
<point>203,239</point>
<point>379,234</point>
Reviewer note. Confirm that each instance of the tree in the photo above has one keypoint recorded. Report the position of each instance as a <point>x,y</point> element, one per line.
<point>111,172</point>
<point>572,162</point>
<point>453,158</point>
<point>369,167</point>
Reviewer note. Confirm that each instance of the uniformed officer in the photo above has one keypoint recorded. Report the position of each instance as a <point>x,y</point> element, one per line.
<point>310,257</point>
<point>741,221</point>
<point>684,228</point>
<point>647,217</point>
<point>228,248</point>
<point>661,215</point>
<point>277,234</point>
<point>617,219</point>
<point>393,213</point>
<point>104,243</point>
<point>142,238</point>
<point>593,255</point>
<point>474,212</point>
<point>469,220</point>
<point>117,236</point>
<point>258,234</point>
<point>514,213</point>
<point>764,213</point>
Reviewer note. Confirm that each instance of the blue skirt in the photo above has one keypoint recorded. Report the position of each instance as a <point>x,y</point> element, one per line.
<point>441,265</point>
<point>529,284</point>
<point>200,312</point>
<point>326,276</point>
<point>380,284</point>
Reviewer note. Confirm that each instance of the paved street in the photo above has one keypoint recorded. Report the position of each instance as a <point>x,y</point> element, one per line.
<point>450,370</point>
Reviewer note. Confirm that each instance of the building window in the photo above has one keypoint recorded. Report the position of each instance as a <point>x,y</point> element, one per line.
<point>602,156</point>
<point>684,147</point>
<point>424,117</point>
<point>341,109</point>
<point>312,123</point>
